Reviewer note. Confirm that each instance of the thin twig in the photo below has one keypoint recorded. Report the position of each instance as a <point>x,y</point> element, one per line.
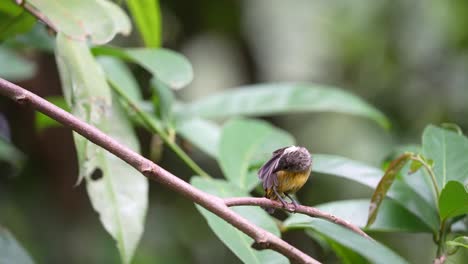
<point>31,9</point>
<point>263,239</point>
<point>310,211</point>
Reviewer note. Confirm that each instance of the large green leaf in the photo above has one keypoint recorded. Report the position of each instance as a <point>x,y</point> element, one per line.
<point>11,251</point>
<point>448,150</point>
<point>369,249</point>
<point>245,142</point>
<point>13,67</point>
<point>14,20</point>
<point>97,20</point>
<point>167,66</point>
<point>204,134</point>
<point>117,191</point>
<point>400,192</point>
<point>147,16</point>
<point>239,243</point>
<point>392,216</point>
<point>277,98</point>
<point>453,200</point>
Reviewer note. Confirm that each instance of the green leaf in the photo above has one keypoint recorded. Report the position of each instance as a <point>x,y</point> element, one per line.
<point>14,20</point>
<point>97,20</point>
<point>392,216</point>
<point>42,121</point>
<point>244,142</point>
<point>400,192</point>
<point>238,242</point>
<point>384,185</point>
<point>369,249</point>
<point>167,66</point>
<point>11,251</point>
<point>453,200</point>
<point>204,134</point>
<point>345,254</point>
<point>448,150</point>
<point>13,67</point>
<point>117,191</point>
<point>147,16</point>
<point>118,73</point>
<point>277,98</point>
<point>461,241</point>
<point>11,155</point>
<point>163,100</point>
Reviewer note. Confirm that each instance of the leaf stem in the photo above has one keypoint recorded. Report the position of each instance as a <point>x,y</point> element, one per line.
<point>432,176</point>
<point>155,127</point>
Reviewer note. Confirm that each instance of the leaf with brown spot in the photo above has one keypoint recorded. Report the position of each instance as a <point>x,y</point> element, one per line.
<point>384,185</point>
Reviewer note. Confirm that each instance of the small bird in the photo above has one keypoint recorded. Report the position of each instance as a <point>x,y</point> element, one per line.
<point>285,173</point>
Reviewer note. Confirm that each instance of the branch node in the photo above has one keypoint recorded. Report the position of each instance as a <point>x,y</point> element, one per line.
<point>21,99</point>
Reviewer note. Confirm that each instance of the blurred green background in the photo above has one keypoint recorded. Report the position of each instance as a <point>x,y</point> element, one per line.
<point>408,58</point>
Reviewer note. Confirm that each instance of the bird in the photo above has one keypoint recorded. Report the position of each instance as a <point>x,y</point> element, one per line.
<point>285,173</point>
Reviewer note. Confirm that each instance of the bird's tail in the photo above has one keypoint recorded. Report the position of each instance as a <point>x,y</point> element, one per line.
<point>270,194</point>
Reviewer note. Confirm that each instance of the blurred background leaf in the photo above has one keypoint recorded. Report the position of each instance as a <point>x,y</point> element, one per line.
<point>147,16</point>
<point>14,67</point>
<point>281,98</point>
<point>14,20</point>
<point>11,251</point>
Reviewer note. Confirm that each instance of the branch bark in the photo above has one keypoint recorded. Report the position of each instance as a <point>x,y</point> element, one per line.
<point>218,206</point>
<point>310,211</point>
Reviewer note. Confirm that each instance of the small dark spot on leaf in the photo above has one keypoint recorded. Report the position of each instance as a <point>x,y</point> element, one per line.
<point>97,174</point>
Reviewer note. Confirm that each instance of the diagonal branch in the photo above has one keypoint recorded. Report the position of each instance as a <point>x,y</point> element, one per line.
<point>310,211</point>
<point>262,238</point>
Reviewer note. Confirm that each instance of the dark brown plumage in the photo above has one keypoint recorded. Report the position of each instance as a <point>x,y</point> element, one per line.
<point>285,173</point>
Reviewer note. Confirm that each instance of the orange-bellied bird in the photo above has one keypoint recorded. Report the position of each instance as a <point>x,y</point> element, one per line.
<point>285,173</point>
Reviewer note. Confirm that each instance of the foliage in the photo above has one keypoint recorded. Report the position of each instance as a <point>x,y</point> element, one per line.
<point>100,88</point>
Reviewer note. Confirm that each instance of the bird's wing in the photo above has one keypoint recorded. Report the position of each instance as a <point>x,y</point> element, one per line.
<point>267,172</point>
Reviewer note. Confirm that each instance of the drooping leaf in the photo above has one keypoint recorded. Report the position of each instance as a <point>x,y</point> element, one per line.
<point>11,251</point>
<point>147,16</point>
<point>448,150</point>
<point>14,20</point>
<point>461,241</point>
<point>369,249</point>
<point>97,20</point>
<point>239,243</point>
<point>42,121</point>
<point>392,216</point>
<point>400,191</point>
<point>167,66</point>
<point>453,200</point>
<point>384,185</point>
<point>278,98</point>
<point>243,142</point>
<point>116,190</point>
<point>13,67</point>
<point>204,134</point>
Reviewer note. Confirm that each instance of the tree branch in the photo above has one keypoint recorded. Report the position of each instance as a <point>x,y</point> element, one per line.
<point>262,238</point>
<point>310,211</point>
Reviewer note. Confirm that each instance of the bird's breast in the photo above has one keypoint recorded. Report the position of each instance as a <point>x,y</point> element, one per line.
<point>291,182</point>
